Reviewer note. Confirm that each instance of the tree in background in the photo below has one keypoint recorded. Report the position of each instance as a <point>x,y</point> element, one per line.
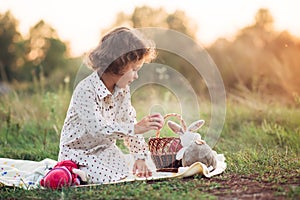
<point>45,52</point>
<point>11,46</point>
<point>24,59</point>
<point>146,16</point>
<point>259,60</point>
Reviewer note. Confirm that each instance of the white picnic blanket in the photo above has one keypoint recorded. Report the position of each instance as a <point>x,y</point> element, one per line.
<point>27,174</point>
<point>23,173</point>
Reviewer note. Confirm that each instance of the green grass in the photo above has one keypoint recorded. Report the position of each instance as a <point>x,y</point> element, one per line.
<point>263,141</point>
<point>171,189</point>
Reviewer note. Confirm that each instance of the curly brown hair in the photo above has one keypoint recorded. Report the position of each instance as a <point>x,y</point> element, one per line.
<point>118,48</point>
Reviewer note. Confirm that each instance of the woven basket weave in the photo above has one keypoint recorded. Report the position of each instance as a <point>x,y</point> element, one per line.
<point>164,149</point>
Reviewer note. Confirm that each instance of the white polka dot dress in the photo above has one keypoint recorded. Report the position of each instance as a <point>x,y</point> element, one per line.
<point>95,120</point>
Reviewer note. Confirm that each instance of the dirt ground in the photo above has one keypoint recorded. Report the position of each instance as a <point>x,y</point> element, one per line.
<point>232,186</point>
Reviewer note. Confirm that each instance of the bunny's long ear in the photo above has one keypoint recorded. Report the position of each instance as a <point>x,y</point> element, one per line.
<point>176,128</point>
<point>195,125</point>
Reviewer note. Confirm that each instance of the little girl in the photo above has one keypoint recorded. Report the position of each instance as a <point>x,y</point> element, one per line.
<point>100,111</point>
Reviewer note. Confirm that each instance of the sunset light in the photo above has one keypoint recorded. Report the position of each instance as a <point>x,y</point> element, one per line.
<point>149,99</point>
<point>81,22</point>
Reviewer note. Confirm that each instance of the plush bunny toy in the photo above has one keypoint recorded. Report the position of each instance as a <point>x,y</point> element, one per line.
<point>194,149</point>
<point>63,174</point>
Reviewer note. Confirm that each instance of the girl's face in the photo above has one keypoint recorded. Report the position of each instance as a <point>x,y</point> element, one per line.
<point>130,73</point>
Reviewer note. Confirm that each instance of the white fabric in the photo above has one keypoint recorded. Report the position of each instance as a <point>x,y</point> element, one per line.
<point>23,173</point>
<point>27,174</point>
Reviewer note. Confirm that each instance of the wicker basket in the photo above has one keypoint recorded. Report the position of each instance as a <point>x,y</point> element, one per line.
<point>164,149</point>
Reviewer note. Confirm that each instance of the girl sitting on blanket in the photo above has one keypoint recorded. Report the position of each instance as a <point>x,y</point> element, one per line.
<point>100,111</point>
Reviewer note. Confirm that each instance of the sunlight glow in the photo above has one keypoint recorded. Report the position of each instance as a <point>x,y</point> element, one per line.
<point>80,22</point>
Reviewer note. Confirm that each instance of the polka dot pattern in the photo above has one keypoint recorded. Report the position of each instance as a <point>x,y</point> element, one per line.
<point>95,120</point>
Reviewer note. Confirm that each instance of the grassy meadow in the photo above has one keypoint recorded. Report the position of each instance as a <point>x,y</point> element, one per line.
<point>261,143</point>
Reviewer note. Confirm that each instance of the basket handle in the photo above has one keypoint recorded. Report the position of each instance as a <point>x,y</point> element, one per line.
<point>179,117</point>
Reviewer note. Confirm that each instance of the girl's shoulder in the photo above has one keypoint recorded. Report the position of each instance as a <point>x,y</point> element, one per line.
<point>89,83</point>
<point>92,79</point>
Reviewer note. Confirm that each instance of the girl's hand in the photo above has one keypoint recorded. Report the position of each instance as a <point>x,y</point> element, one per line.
<point>150,122</point>
<point>140,169</point>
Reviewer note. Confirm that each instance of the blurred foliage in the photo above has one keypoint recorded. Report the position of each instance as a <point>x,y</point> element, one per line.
<point>258,60</point>
<point>44,49</point>
<point>10,45</point>
<point>23,59</point>
<point>157,17</point>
